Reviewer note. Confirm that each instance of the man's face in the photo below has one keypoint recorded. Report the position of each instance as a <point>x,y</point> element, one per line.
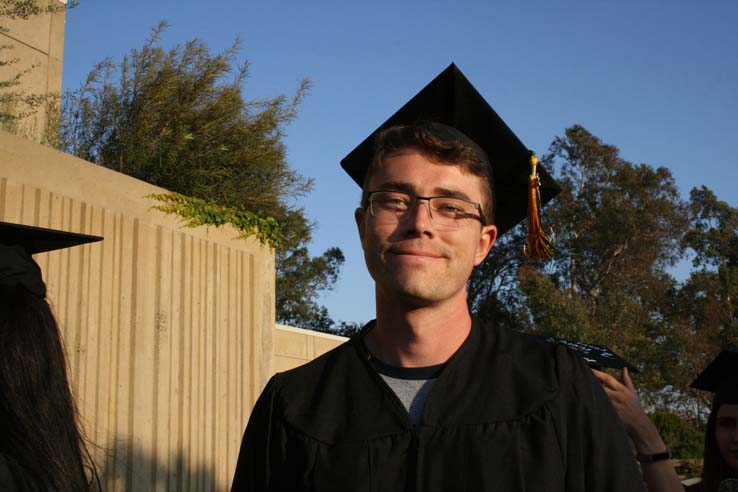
<point>411,258</point>
<point>726,434</point>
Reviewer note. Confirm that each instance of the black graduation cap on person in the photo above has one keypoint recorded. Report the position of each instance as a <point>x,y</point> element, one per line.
<point>720,377</point>
<point>596,356</point>
<point>452,100</point>
<point>39,239</point>
<point>21,241</point>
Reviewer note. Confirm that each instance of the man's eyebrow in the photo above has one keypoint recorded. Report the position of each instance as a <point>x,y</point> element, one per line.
<point>396,186</point>
<point>407,188</point>
<point>452,193</point>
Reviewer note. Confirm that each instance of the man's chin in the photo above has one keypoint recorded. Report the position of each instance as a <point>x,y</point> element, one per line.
<point>415,294</point>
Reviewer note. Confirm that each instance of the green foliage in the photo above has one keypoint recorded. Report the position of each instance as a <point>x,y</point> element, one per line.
<point>301,278</point>
<point>684,441</point>
<point>705,308</point>
<point>18,106</point>
<point>23,9</point>
<point>177,118</point>
<point>714,285</point>
<point>619,227</point>
<point>554,312</point>
<point>493,288</point>
<point>198,212</point>
<point>347,329</point>
<point>714,233</point>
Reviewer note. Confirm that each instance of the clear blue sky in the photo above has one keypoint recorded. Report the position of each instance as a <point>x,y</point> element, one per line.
<point>657,79</point>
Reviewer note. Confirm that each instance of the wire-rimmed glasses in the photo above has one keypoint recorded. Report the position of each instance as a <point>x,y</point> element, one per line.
<point>446,212</point>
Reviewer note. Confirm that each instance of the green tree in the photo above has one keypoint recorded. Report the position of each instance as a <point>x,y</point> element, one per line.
<point>713,237</point>
<point>705,307</point>
<point>684,440</point>
<point>619,228</point>
<point>493,288</point>
<point>177,118</point>
<point>301,278</point>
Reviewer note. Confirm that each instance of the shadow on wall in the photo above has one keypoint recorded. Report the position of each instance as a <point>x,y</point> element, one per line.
<point>140,471</point>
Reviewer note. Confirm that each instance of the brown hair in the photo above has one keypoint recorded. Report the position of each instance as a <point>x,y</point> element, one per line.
<point>439,143</point>
<point>39,426</point>
<point>715,467</point>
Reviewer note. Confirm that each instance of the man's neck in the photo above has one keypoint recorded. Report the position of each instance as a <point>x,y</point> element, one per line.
<point>418,336</point>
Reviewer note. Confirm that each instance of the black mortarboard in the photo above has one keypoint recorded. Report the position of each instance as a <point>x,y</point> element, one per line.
<point>450,99</point>
<point>39,240</point>
<point>596,356</point>
<point>720,377</point>
<point>18,242</point>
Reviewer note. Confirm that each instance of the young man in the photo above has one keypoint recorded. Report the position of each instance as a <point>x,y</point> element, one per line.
<point>426,398</point>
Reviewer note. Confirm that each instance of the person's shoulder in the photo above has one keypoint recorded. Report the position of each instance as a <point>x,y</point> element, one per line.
<point>521,347</point>
<point>512,361</point>
<point>341,356</point>
<point>552,364</point>
<point>337,368</point>
<point>333,397</point>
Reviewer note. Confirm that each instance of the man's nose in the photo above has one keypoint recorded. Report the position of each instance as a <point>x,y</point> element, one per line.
<point>419,216</point>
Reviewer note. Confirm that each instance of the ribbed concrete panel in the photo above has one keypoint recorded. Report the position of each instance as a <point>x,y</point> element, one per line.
<point>168,330</point>
<point>295,346</point>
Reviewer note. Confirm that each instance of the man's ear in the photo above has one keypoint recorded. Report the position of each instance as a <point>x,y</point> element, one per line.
<point>360,218</point>
<point>486,240</point>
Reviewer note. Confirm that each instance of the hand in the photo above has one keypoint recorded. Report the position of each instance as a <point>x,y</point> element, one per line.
<point>624,398</point>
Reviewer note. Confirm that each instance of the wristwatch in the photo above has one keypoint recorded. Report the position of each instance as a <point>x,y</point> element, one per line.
<point>652,458</point>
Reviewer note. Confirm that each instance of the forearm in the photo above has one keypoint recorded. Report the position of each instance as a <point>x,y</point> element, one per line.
<point>660,476</point>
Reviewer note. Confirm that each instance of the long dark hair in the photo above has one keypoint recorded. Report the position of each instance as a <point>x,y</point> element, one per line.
<point>39,428</point>
<point>715,467</point>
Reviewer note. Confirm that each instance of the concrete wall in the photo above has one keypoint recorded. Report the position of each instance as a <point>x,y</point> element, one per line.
<point>169,331</point>
<point>38,44</point>
<point>294,346</point>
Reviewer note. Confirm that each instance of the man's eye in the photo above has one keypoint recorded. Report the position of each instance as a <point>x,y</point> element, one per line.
<point>450,211</point>
<point>451,208</point>
<point>396,201</point>
<point>393,201</point>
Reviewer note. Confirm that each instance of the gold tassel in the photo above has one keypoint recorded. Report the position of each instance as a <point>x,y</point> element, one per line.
<point>539,245</point>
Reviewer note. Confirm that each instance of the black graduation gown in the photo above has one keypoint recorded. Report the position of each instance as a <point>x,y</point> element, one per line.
<point>508,413</point>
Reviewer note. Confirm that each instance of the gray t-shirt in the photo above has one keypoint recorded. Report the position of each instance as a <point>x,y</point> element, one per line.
<point>412,385</point>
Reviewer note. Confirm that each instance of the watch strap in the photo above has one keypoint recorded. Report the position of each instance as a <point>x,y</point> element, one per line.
<point>652,458</point>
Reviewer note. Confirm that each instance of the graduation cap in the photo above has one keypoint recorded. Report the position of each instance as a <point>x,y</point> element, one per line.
<point>522,187</point>
<point>596,356</point>
<point>18,242</point>
<point>720,377</point>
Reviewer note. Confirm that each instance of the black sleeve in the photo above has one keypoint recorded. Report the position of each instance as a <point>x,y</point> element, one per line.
<point>254,467</point>
<point>596,448</point>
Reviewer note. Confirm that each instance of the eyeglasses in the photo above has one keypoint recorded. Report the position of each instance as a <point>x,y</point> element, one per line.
<point>446,212</point>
